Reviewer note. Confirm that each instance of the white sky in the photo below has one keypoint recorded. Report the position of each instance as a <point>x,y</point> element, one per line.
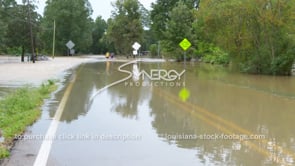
<point>100,7</point>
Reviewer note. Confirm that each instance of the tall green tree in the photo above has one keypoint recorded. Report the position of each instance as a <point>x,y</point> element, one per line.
<point>177,28</point>
<point>160,15</point>
<point>5,16</point>
<point>2,29</point>
<point>73,22</point>
<point>145,16</point>
<point>147,38</point>
<point>18,33</point>
<point>125,27</point>
<point>99,29</point>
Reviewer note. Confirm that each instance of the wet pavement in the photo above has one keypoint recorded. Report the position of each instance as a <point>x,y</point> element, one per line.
<point>224,118</point>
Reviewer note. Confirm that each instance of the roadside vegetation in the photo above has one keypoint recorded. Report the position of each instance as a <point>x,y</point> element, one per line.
<point>20,109</point>
<point>253,36</point>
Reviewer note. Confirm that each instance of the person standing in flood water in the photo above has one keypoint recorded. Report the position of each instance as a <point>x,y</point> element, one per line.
<point>107,55</point>
<point>112,55</point>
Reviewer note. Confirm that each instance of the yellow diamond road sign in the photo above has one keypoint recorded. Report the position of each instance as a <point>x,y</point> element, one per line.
<point>185,44</point>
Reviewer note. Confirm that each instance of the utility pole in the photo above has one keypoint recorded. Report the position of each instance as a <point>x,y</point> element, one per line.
<point>24,26</point>
<point>159,49</point>
<point>53,41</point>
<point>31,31</point>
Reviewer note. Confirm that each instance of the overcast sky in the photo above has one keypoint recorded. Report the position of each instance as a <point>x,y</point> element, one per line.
<point>100,7</point>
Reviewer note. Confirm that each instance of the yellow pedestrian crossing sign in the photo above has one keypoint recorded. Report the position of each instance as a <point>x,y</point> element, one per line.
<point>185,44</point>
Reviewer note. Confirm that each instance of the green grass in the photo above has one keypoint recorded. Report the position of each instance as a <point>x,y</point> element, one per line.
<point>19,110</point>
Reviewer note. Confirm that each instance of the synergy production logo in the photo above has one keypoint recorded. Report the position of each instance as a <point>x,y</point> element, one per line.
<point>153,77</point>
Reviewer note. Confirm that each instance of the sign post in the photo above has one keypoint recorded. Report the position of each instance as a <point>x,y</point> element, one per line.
<point>70,45</point>
<point>136,47</point>
<point>184,93</point>
<point>185,44</point>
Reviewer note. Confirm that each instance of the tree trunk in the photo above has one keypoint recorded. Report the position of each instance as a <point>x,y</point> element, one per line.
<point>23,54</point>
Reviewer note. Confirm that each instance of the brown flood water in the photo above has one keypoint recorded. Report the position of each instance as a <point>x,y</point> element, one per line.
<point>228,119</point>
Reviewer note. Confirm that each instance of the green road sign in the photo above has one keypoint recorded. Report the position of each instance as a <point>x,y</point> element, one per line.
<point>185,44</point>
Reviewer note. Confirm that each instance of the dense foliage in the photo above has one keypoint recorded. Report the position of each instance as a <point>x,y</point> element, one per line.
<point>73,23</point>
<point>15,36</point>
<point>258,34</point>
<point>125,26</point>
<point>253,36</point>
<point>99,45</point>
<point>171,22</point>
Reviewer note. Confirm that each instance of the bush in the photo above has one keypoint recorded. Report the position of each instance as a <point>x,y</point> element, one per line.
<point>282,65</point>
<point>154,50</point>
<point>264,63</point>
<point>14,51</point>
<point>212,54</point>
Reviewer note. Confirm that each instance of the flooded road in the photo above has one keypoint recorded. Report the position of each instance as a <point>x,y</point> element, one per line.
<point>206,117</point>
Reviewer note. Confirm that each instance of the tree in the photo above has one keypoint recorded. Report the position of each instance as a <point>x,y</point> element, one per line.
<point>5,15</point>
<point>125,27</point>
<point>73,22</point>
<point>258,34</point>
<point>18,28</point>
<point>171,21</point>
<point>99,29</point>
<point>2,29</point>
<point>145,16</point>
<point>177,28</point>
<point>160,14</point>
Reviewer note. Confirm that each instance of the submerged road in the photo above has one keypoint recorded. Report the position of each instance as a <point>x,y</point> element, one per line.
<point>104,117</point>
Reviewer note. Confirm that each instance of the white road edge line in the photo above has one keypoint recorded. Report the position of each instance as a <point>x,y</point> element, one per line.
<point>44,151</point>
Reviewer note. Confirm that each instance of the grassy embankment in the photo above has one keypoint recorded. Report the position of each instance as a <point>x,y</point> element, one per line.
<point>19,110</point>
